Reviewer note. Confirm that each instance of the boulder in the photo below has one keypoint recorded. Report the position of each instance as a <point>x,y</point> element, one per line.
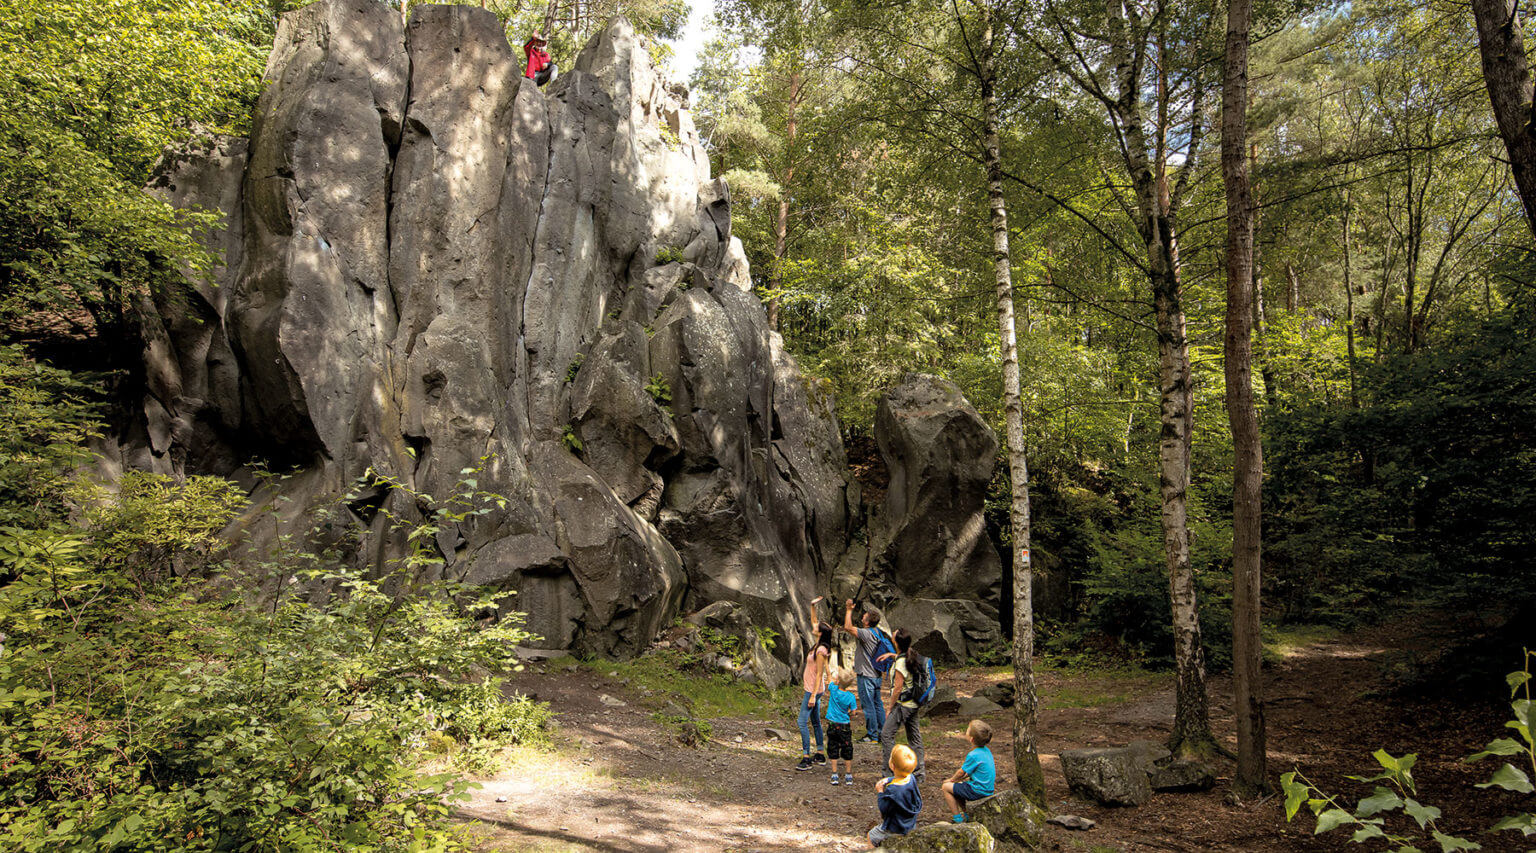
<point>1010,817</point>
<point>1001,692</point>
<point>944,838</point>
<point>438,275</point>
<point>1109,776</point>
<point>940,455</point>
<point>943,703</point>
<point>1180,776</point>
<point>947,630</point>
<point>973,707</point>
<point>1073,822</point>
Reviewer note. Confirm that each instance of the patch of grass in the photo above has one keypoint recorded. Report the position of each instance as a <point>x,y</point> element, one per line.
<point>1282,642</point>
<point>712,695</point>
<point>1086,696</point>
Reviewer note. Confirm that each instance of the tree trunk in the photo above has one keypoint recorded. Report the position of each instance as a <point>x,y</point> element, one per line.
<point>1191,722</point>
<point>1247,469</point>
<point>1026,756</point>
<point>1508,77</point>
<point>1349,305</point>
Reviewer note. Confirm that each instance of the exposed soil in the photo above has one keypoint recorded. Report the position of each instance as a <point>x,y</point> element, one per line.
<point>617,780</point>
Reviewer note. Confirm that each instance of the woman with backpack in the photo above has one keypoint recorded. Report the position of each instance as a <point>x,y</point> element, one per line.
<point>814,680</point>
<point>910,677</point>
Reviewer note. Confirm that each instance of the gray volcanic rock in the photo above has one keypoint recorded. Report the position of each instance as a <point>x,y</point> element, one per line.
<point>436,273</point>
<point>1109,776</point>
<point>934,563</point>
<point>940,454</point>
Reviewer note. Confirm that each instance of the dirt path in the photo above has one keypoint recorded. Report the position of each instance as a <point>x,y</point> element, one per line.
<point>617,780</point>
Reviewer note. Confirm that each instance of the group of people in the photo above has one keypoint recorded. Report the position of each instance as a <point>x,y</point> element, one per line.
<point>899,798</point>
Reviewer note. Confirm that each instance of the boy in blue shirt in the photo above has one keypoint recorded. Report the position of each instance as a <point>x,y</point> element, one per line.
<point>976,776</point>
<point>841,702</point>
<point>899,800</point>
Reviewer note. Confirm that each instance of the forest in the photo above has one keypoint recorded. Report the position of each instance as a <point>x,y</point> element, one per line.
<point>1241,292</point>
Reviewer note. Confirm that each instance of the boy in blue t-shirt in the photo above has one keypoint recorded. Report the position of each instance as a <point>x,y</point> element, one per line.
<point>976,776</point>
<point>899,800</point>
<point>841,702</point>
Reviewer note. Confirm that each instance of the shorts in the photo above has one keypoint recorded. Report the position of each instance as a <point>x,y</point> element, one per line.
<point>839,741</point>
<point>965,793</point>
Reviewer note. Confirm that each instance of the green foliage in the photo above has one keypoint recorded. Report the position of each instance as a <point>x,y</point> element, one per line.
<point>46,416</point>
<point>669,255</point>
<point>570,439</point>
<point>659,389</point>
<point>1427,488</point>
<point>1369,816</point>
<point>90,94</point>
<point>137,706</point>
<point>575,367</point>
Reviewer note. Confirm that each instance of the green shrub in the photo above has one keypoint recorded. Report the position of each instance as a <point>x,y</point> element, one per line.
<point>1368,817</point>
<point>46,416</point>
<point>669,255</point>
<point>139,710</point>
<point>659,389</point>
<point>570,439</point>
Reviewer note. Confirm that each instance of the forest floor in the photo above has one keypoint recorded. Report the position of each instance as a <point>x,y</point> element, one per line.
<point>616,778</point>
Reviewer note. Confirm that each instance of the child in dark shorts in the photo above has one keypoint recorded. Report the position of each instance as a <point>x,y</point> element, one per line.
<point>975,778</point>
<point>841,703</point>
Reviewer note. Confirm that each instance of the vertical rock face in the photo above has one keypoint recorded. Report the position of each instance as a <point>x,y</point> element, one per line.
<point>431,265</point>
<point>933,560</point>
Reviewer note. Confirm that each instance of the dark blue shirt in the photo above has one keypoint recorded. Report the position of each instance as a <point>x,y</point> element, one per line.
<point>899,805</point>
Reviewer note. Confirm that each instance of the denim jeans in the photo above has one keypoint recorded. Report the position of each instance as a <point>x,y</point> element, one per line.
<point>874,708</point>
<point>810,717</point>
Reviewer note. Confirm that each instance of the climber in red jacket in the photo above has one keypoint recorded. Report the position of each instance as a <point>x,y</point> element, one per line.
<point>540,69</point>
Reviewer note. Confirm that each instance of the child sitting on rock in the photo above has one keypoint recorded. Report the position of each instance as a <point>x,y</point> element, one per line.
<point>899,799</point>
<point>841,702</point>
<point>977,774</point>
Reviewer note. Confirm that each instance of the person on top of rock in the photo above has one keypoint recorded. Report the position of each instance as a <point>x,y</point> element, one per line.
<point>868,638</point>
<point>541,69</point>
<point>899,798</point>
<point>814,680</point>
<point>902,712</point>
<point>977,774</point>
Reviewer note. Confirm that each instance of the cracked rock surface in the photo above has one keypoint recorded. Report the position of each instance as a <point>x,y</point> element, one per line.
<point>431,265</point>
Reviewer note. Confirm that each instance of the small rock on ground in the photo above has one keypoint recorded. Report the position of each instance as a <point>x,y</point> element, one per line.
<point>1072,821</point>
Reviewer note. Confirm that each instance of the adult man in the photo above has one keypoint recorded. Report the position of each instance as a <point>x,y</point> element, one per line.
<point>867,636</point>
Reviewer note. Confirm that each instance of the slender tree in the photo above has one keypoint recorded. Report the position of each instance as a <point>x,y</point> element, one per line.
<point>1026,754</point>
<point>1248,462</point>
<point>1109,53</point>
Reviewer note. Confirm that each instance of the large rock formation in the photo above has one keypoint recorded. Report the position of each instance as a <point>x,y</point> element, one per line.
<point>433,267</point>
<point>933,564</point>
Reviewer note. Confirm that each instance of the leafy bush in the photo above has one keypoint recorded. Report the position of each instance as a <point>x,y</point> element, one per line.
<point>46,415</point>
<point>139,710</point>
<point>669,255</point>
<point>1369,816</point>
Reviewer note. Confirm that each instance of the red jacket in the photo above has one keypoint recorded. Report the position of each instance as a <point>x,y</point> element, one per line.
<point>538,58</point>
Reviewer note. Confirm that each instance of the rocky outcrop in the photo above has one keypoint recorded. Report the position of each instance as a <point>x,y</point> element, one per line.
<point>932,565</point>
<point>1011,819</point>
<point>1110,776</point>
<point>943,838</point>
<point>439,275</point>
